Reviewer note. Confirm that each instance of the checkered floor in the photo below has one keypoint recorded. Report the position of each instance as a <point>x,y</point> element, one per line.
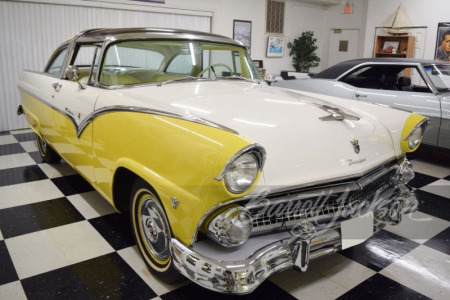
<point>59,239</point>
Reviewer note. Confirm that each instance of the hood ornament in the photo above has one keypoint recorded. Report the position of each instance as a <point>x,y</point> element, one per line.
<point>336,114</point>
<point>355,144</point>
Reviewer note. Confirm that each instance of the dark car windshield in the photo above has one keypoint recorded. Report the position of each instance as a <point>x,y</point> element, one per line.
<point>440,76</point>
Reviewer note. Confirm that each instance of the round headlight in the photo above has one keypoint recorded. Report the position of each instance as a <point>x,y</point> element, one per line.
<point>231,227</point>
<point>415,138</point>
<point>241,173</point>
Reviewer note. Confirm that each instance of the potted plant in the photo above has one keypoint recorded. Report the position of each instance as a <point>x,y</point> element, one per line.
<point>303,52</point>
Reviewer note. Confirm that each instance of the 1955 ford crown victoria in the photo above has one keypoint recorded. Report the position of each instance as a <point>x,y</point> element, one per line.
<point>227,180</point>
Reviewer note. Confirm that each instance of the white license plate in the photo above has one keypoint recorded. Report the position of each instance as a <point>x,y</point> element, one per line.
<point>357,230</point>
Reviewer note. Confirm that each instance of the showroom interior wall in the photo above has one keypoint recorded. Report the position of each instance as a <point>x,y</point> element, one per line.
<point>30,32</point>
<point>30,35</point>
<point>421,13</point>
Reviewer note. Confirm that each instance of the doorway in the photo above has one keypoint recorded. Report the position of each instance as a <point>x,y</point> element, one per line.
<point>343,45</point>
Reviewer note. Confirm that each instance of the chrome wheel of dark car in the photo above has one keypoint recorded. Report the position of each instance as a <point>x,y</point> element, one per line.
<point>48,155</point>
<point>152,232</point>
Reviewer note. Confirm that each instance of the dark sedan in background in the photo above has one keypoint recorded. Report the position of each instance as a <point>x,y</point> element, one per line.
<point>421,86</point>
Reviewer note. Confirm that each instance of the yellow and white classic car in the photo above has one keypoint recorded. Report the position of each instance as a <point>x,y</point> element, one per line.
<point>227,180</point>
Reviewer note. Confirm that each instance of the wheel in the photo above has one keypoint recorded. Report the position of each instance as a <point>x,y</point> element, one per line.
<point>152,232</point>
<point>48,155</point>
<point>213,66</point>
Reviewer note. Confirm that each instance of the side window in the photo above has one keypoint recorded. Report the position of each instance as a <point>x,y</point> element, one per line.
<point>55,66</point>
<point>85,57</point>
<point>364,77</point>
<point>439,76</point>
<point>409,79</point>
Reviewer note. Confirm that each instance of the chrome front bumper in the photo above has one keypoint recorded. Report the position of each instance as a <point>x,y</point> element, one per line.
<point>242,269</point>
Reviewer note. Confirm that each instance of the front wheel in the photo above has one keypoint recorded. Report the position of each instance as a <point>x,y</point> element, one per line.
<point>48,155</point>
<point>152,232</point>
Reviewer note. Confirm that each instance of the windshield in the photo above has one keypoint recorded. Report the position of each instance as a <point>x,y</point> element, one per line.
<point>140,62</point>
<point>440,76</point>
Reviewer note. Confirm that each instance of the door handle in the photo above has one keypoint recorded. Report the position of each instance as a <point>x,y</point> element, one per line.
<point>56,86</point>
<point>358,95</point>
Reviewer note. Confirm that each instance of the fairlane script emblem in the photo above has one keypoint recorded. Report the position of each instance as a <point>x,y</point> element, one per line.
<point>355,144</point>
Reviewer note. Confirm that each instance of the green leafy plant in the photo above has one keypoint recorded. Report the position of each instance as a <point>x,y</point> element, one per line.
<point>303,52</point>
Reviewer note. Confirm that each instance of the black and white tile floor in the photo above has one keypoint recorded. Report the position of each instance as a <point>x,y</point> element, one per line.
<point>59,239</point>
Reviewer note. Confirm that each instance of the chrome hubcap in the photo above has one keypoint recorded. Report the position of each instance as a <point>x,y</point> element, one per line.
<point>42,145</point>
<point>155,228</point>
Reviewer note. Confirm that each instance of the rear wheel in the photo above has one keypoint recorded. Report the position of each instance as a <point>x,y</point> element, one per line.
<point>48,155</point>
<point>152,232</point>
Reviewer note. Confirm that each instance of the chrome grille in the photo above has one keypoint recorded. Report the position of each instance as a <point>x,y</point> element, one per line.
<point>281,209</point>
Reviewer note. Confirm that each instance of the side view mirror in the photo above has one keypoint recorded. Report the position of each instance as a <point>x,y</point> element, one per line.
<point>72,72</point>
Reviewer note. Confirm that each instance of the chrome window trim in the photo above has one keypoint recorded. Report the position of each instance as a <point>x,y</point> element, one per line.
<point>418,66</point>
<point>365,64</point>
<point>107,36</point>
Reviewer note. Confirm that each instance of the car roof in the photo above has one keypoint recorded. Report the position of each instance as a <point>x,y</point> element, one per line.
<point>340,68</point>
<point>103,34</point>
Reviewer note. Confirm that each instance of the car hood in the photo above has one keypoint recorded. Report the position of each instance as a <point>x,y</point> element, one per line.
<point>301,148</point>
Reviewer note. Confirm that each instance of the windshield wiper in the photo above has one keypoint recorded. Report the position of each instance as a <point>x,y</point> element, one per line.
<point>235,77</point>
<point>187,78</point>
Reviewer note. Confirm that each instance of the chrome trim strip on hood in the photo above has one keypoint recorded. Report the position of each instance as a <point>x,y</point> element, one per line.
<point>123,108</point>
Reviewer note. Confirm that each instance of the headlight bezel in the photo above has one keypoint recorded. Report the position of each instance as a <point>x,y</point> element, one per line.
<point>255,151</point>
<point>413,132</point>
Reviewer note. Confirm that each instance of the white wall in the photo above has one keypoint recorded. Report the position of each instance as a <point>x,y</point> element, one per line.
<point>30,32</point>
<point>336,19</point>
<point>300,16</point>
<point>421,13</point>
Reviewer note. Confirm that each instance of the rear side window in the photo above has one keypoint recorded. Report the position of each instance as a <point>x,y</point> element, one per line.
<point>55,66</point>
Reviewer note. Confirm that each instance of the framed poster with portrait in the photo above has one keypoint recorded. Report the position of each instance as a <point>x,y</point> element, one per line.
<point>275,46</point>
<point>443,42</point>
<point>242,32</point>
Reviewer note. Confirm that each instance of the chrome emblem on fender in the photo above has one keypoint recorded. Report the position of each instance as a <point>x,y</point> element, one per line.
<point>355,144</point>
<point>336,114</point>
<point>174,202</point>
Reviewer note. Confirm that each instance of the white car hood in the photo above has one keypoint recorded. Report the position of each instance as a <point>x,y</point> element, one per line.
<point>301,148</point>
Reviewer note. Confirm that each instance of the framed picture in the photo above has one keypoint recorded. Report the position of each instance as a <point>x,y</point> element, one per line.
<point>275,46</point>
<point>390,45</point>
<point>242,32</point>
<point>258,63</point>
<point>442,51</point>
